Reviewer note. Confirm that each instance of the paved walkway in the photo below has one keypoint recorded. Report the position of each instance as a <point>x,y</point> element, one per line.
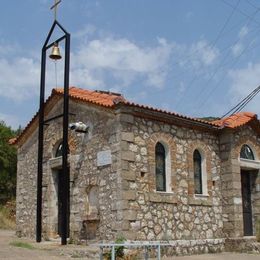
<point>54,251</point>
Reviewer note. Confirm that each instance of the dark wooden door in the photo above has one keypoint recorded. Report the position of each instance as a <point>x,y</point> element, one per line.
<point>246,201</point>
<point>59,201</point>
<point>60,205</point>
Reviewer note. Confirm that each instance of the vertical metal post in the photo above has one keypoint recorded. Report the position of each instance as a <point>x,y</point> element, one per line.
<point>146,252</point>
<point>65,178</point>
<point>113,255</point>
<point>40,150</point>
<point>101,253</point>
<point>65,169</point>
<point>159,252</point>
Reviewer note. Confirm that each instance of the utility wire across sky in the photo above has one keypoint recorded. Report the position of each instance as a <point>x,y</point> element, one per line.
<point>242,103</point>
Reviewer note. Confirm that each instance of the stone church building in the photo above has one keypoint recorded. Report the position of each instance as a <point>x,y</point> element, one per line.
<point>141,172</point>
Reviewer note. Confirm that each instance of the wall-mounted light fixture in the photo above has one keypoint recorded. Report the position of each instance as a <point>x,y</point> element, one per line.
<point>79,127</point>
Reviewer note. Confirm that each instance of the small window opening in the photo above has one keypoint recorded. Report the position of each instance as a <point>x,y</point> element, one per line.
<point>59,150</point>
<point>197,162</point>
<point>160,167</point>
<point>247,153</point>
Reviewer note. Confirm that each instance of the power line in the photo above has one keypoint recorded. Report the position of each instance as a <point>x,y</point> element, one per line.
<point>202,103</point>
<point>205,100</point>
<point>253,5</point>
<point>242,103</point>
<point>226,23</point>
<point>212,45</point>
<point>241,12</point>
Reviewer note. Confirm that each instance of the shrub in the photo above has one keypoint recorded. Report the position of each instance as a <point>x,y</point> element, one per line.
<point>119,250</point>
<point>7,216</point>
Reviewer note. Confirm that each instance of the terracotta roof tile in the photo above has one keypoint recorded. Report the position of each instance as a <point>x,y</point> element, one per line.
<point>236,120</point>
<point>110,100</point>
<point>103,98</point>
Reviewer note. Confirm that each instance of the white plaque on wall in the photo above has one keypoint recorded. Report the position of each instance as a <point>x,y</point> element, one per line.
<point>104,158</point>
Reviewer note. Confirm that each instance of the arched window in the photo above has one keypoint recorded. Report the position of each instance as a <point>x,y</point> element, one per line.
<point>197,164</point>
<point>247,153</point>
<point>160,159</point>
<point>58,152</point>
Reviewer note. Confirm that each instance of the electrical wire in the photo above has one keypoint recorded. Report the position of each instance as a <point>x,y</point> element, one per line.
<point>242,103</point>
<point>212,45</point>
<point>204,101</point>
<point>241,12</point>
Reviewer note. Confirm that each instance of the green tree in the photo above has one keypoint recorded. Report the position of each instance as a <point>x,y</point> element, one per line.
<point>8,163</point>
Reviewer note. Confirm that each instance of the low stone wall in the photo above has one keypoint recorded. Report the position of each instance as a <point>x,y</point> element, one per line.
<point>242,245</point>
<point>191,247</point>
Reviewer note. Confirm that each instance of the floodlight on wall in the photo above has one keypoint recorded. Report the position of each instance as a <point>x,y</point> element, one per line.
<point>79,127</point>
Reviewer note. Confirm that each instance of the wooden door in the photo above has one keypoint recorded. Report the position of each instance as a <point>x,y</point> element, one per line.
<point>246,201</point>
<point>59,202</point>
<point>60,205</point>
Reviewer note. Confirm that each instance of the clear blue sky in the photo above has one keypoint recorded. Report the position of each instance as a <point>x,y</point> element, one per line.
<point>198,57</point>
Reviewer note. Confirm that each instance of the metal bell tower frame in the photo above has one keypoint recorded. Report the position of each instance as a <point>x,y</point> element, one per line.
<point>65,168</point>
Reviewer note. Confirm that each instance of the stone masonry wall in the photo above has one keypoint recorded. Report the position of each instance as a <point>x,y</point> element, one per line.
<point>230,146</point>
<point>177,214</point>
<point>93,189</point>
<point>120,199</point>
<point>248,136</point>
<point>26,192</point>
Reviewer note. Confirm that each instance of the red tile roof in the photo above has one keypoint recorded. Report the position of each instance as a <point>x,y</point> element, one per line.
<point>236,120</point>
<point>110,100</point>
<point>102,98</point>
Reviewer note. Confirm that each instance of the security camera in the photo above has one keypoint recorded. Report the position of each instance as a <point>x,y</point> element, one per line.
<point>79,127</point>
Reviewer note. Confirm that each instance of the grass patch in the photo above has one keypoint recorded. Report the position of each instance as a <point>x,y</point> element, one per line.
<point>7,219</point>
<point>22,244</point>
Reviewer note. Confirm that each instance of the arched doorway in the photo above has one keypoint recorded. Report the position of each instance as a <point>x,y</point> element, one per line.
<point>55,199</point>
<point>247,155</point>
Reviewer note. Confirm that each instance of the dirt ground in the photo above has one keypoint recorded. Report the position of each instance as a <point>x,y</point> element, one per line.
<point>8,251</point>
<point>52,250</point>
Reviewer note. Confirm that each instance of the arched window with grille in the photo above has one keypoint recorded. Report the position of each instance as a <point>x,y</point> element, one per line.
<point>59,149</point>
<point>197,164</point>
<point>160,161</point>
<point>246,153</point>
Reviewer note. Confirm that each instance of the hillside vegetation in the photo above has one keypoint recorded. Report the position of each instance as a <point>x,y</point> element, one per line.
<point>7,164</point>
<point>7,177</point>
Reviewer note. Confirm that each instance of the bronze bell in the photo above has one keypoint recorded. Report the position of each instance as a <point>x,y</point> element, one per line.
<point>55,53</point>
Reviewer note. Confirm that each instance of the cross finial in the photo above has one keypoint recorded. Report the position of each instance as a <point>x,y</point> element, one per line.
<point>56,3</point>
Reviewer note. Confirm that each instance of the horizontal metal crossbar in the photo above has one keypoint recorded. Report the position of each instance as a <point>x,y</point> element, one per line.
<point>56,117</point>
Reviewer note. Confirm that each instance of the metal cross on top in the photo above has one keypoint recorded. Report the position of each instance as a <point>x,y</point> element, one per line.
<point>56,3</point>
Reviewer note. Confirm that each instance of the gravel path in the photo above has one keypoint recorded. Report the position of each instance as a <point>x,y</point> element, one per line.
<point>53,251</point>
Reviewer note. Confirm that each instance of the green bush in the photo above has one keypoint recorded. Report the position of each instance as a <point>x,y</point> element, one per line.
<point>7,164</point>
<point>119,250</point>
